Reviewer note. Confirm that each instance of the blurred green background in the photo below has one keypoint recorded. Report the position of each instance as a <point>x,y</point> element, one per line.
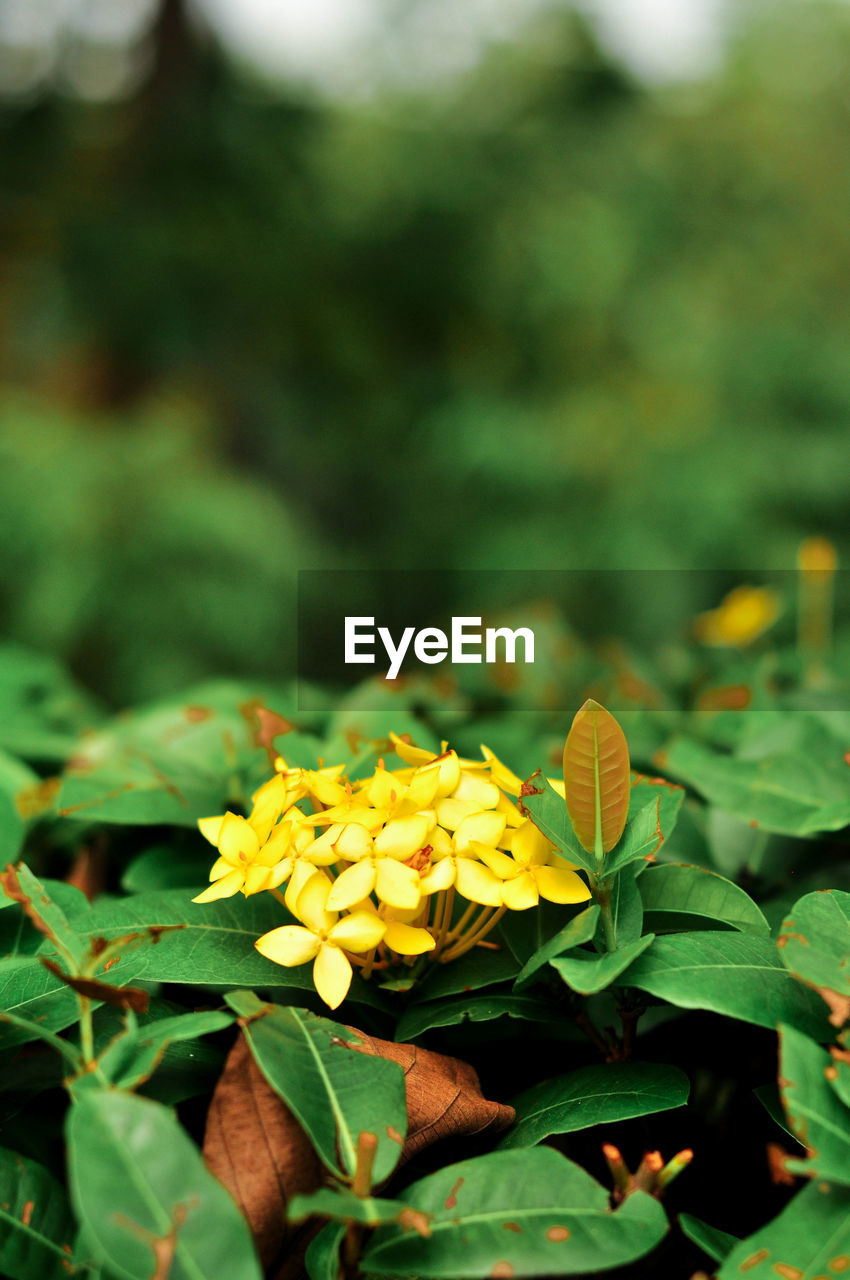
<point>542,313</point>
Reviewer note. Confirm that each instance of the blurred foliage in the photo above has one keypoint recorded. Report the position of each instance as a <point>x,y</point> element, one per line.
<point>539,317</point>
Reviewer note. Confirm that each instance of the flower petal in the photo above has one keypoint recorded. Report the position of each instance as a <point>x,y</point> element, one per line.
<point>520,893</point>
<point>352,885</point>
<point>556,885</point>
<point>402,837</point>
<point>353,842</point>
<point>311,903</point>
<point>332,974</point>
<point>441,876</point>
<point>503,866</point>
<point>237,840</point>
<point>398,885</point>
<point>482,828</point>
<point>224,887</point>
<point>288,945</point>
<point>529,846</point>
<point>210,827</point>
<point>473,789</point>
<point>477,883</point>
<point>406,940</point>
<point>361,931</point>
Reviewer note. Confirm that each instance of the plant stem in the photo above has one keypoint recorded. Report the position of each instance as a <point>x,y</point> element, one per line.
<point>86,1029</point>
<point>602,893</point>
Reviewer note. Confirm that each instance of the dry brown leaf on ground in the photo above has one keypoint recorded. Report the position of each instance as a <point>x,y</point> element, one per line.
<point>256,1148</point>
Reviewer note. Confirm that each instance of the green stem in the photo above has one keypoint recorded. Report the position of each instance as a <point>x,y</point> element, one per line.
<point>86,1029</point>
<point>602,893</point>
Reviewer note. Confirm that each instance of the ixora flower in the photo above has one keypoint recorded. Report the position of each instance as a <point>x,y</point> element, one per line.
<point>323,938</point>
<point>404,867</point>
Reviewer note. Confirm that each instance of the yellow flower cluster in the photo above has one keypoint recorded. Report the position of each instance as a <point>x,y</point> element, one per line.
<point>373,868</point>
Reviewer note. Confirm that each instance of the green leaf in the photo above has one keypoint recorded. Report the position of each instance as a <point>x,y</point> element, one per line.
<point>716,1243</point>
<point>814,943</point>
<point>173,762</point>
<point>796,786</point>
<point>519,1213</point>
<point>140,1188</point>
<point>322,1257</point>
<point>693,891</point>
<point>167,867</point>
<point>738,974</point>
<point>211,944</point>
<point>420,1018</point>
<point>334,1092</point>
<point>644,833</point>
<point>588,973</point>
<point>577,931</point>
<point>818,1117</point>
<point>42,710</point>
<point>626,905</point>
<point>132,1057</point>
<point>22,886</point>
<point>594,1095</point>
<point>30,991</point>
<point>548,812</point>
<point>479,968</point>
<point>809,1240</point>
<point>36,1224</point>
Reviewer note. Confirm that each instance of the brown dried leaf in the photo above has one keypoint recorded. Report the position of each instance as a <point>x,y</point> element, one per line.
<point>256,1148</point>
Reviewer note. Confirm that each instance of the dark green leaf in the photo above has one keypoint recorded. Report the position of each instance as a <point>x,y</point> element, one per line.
<point>577,931</point>
<point>738,974</point>
<point>36,1224</point>
<point>588,973</point>
<point>808,1241</point>
<point>527,1213</point>
<point>693,891</point>
<point>334,1092</point>
<point>594,1095</point>
<point>420,1018</point>
<point>716,1243</point>
<point>818,1117</point>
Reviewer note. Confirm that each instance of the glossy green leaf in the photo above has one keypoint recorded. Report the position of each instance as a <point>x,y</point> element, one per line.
<point>420,1018</point>
<point>716,1243</point>
<point>334,1092</point>
<point>738,974</point>
<point>211,944</point>
<point>37,1227</point>
<point>139,1187</point>
<point>587,973</point>
<point>532,1211</point>
<point>479,968</point>
<point>577,931</point>
<point>645,833</point>
<point>818,1117</point>
<point>694,891</point>
<point>594,1095</point>
<point>810,1239</point>
<point>548,812</point>
<point>814,943</point>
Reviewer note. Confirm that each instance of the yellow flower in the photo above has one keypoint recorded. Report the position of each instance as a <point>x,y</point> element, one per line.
<point>527,875</point>
<point>402,937</point>
<point>243,863</point>
<point>740,618</point>
<point>378,865</point>
<point>456,859</point>
<point>323,938</point>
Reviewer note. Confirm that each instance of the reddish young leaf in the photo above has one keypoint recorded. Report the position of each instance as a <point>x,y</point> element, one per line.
<point>596,778</point>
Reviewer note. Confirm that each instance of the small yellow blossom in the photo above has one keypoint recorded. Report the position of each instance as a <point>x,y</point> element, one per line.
<point>740,618</point>
<point>323,938</point>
